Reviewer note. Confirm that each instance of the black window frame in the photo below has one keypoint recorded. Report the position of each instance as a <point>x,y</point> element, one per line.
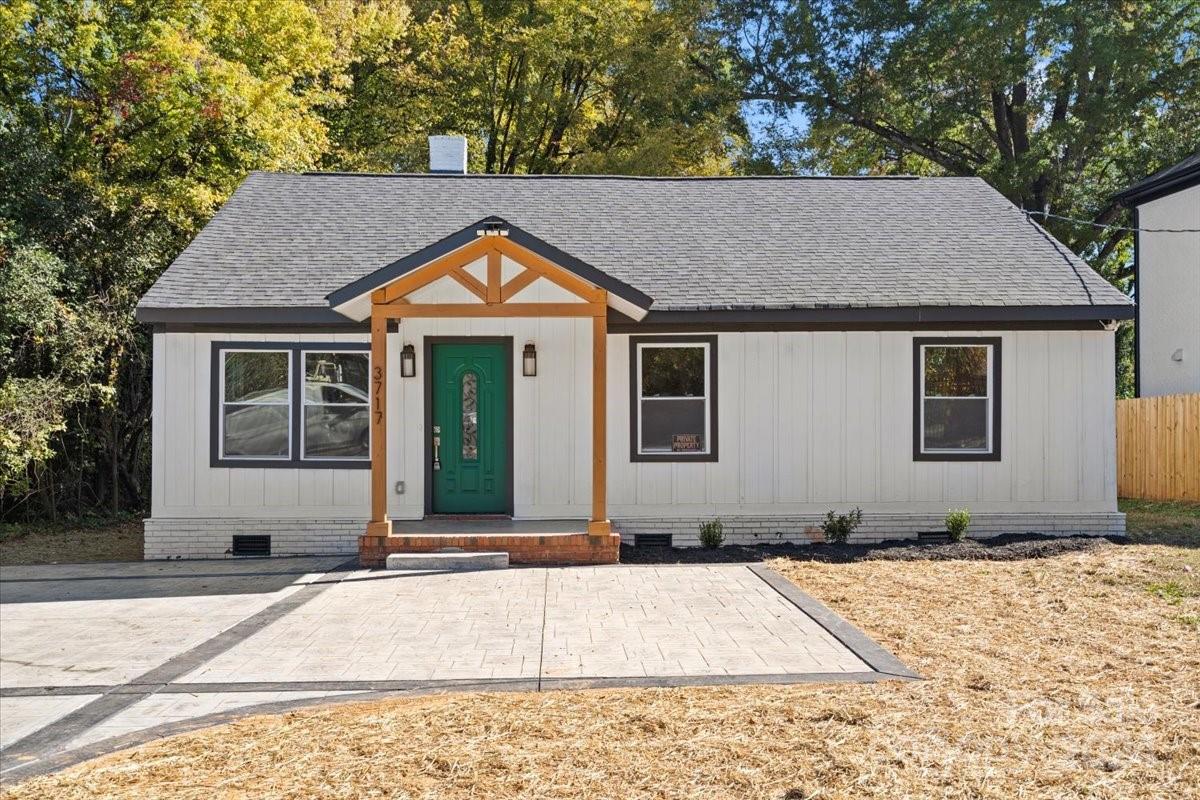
<point>295,458</point>
<point>635,408</point>
<point>996,395</point>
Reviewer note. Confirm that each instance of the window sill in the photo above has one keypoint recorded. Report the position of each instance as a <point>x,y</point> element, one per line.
<point>673,457</point>
<point>292,463</point>
<point>956,456</point>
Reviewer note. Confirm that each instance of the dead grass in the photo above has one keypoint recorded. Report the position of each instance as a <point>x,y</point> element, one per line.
<point>1057,678</point>
<point>75,542</point>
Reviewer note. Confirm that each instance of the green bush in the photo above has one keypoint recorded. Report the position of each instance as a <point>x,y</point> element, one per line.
<point>956,523</point>
<point>712,534</point>
<point>838,527</point>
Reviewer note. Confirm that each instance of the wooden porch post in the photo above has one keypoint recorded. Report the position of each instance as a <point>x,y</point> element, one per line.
<point>599,524</point>
<point>379,525</point>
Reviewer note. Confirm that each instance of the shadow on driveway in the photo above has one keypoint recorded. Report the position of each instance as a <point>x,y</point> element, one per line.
<point>148,579</point>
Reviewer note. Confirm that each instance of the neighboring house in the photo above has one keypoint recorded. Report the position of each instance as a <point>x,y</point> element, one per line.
<point>341,354</point>
<point>1167,267</point>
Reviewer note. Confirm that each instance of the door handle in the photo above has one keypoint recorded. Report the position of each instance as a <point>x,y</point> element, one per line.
<point>437,443</point>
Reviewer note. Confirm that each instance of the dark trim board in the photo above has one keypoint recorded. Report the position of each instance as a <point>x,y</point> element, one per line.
<point>995,342</point>
<point>882,318</point>
<point>908,316</point>
<point>296,398</point>
<point>1137,309</point>
<point>634,411</point>
<point>1166,181</point>
<point>427,392</point>
<point>618,323</point>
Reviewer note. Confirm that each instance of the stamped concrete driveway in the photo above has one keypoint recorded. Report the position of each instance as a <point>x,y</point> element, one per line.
<point>101,656</point>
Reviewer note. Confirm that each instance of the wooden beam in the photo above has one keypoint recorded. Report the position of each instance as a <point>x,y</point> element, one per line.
<point>599,524</point>
<point>551,271</point>
<point>493,277</point>
<point>379,525</point>
<point>470,282</point>
<point>519,282</point>
<point>435,269</point>
<point>400,311</point>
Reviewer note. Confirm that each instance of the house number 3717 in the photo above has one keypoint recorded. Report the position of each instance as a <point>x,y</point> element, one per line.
<point>376,393</point>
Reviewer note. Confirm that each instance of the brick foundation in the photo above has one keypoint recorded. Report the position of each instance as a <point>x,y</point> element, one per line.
<point>875,527</point>
<point>213,538</point>
<point>565,548</point>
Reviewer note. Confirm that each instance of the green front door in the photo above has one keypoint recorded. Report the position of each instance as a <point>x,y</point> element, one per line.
<point>470,427</point>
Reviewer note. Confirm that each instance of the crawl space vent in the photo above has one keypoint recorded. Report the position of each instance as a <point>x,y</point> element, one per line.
<point>933,537</point>
<point>652,540</point>
<point>251,545</point>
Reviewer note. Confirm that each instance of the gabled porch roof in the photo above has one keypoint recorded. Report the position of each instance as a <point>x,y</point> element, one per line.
<point>354,299</point>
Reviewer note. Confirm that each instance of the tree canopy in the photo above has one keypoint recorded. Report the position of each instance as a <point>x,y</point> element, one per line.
<point>1056,104</point>
<point>124,124</point>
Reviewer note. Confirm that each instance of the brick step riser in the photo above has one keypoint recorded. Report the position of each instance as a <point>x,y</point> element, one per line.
<point>567,549</point>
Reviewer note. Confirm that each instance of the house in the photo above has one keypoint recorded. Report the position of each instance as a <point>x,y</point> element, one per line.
<point>541,364</point>
<point>1166,210</point>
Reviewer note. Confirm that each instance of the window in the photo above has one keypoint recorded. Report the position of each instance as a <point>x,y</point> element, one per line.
<point>956,404</point>
<point>255,407</point>
<point>673,390</point>
<point>290,405</point>
<point>336,405</point>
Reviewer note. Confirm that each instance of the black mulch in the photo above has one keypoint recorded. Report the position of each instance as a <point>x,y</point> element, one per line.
<point>1010,547</point>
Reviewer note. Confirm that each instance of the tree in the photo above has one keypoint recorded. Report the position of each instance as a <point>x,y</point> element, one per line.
<point>1056,104</point>
<point>547,86</point>
<point>122,126</point>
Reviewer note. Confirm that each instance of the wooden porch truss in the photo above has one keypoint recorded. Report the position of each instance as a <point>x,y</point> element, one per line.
<point>391,302</point>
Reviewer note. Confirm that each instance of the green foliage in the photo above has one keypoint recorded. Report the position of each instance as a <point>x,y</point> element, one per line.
<point>838,527</point>
<point>957,521</point>
<point>1056,104</point>
<point>124,124</point>
<point>553,86</point>
<point>712,534</point>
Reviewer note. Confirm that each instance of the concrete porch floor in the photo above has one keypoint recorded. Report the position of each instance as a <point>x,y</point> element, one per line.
<point>485,526</point>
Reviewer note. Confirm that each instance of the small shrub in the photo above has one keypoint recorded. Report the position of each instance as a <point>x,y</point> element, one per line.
<point>838,527</point>
<point>712,534</point>
<point>957,521</point>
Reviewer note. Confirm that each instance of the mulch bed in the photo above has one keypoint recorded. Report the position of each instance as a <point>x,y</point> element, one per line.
<point>1010,547</point>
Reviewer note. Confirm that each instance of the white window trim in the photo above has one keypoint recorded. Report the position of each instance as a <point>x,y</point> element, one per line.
<point>706,348</point>
<point>990,397</point>
<point>305,404</point>
<point>224,351</point>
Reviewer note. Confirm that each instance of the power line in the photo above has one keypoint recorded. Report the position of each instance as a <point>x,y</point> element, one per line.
<point>1108,227</point>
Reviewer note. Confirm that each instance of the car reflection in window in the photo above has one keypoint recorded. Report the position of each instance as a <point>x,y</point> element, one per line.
<point>336,421</point>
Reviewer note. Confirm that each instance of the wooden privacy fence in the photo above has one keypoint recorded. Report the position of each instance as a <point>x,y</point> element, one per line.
<point>1158,447</point>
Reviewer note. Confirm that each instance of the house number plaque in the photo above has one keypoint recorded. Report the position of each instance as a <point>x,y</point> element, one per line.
<point>376,392</point>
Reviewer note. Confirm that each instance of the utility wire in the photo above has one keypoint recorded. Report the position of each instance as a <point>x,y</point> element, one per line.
<point>1108,227</point>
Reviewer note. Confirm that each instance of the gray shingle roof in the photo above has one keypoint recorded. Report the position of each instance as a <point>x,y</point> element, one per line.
<point>690,244</point>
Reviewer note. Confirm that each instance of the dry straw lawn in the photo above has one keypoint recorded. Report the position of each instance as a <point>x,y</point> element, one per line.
<point>1075,676</point>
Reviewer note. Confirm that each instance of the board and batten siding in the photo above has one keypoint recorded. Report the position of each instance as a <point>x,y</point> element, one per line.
<point>807,421</point>
<point>811,421</point>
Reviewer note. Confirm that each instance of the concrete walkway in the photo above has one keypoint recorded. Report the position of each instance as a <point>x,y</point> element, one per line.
<point>102,656</point>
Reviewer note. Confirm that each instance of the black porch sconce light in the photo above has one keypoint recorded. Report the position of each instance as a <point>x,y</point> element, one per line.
<point>529,361</point>
<point>408,361</point>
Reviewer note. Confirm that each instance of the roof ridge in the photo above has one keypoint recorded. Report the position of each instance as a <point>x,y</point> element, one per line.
<point>697,178</point>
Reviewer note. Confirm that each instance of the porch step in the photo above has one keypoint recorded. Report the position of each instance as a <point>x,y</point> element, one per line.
<point>448,560</point>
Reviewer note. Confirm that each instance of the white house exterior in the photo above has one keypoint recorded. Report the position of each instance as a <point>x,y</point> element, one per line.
<point>1167,210</point>
<point>340,359</point>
